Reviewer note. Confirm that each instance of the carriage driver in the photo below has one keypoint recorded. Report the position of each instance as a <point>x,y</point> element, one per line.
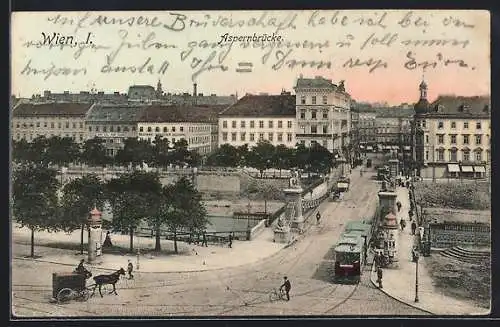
<point>82,270</point>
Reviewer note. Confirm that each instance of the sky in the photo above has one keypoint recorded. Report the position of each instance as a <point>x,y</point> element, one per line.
<point>379,54</point>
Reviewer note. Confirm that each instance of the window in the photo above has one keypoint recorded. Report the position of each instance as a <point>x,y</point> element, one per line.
<point>149,129</point>
<point>478,139</point>
<point>90,128</point>
<point>466,156</point>
<point>427,155</point>
<point>81,125</point>
<point>270,136</point>
<point>242,136</point>
<point>313,101</point>
<point>242,124</point>
<point>280,137</point>
<point>157,129</point>
<point>453,155</point>
<point>51,125</point>
<point>74,125</point>
<point>141,129</point>
<point>133,128</point>
<point>224,136</point>
<point>261,124</point>
<point>173,128</point>
<point>314,129</point>
<point>224,124</point>
<point>289,124</point>
<point>479,156</point>
<point>440,138</point>
<point>252,124</point>
<point>125,129</point>
<point>181,128</point>
<point>302,114</point>
<point>325,99</point>
<point>270,124</point>
<point>67,124</point>
<point>233,124</point>
<point>111,128</point>
<point>58,125</point>
<point>302,99</point>
<point>313,114</point>
<point>440,124</point>
<point>325,114</point>
<point>466,125</point>
<point>261,136</point>
<point>453,124</point>
<point>280,124</point>
<point>427,139</point>
<point>118,129</point>
<point>289,137</point>
<point>165,129</point>
<point>104,129</point>
<point>440,154</point>
<point>466,139</point>
<point>478,125</point>
<point>325,129</point>
<point>37,124</point>
<point>252,137</point>
<point>453,139</point>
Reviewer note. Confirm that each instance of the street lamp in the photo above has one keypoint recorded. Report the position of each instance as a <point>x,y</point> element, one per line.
<point>416,276</point>
<point>249,207</point>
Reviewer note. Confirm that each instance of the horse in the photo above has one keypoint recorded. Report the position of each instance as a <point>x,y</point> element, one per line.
<point>110,279</point>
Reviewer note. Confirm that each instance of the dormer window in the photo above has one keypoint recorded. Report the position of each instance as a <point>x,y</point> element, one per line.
<point>440,124</point>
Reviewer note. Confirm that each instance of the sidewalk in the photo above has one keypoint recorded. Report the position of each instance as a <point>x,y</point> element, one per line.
<point>191,258</point>
<point>399,283</point>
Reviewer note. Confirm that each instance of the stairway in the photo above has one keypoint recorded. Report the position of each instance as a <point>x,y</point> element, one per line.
<point>465,255</point>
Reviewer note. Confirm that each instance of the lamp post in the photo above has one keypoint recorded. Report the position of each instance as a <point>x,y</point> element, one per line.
<point>249,207</point>
<point>416,276</point>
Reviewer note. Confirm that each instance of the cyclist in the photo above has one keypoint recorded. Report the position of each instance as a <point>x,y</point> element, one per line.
<point>286,284</point>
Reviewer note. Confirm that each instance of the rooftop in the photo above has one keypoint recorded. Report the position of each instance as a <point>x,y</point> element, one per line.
<point>180,113</point>
<point>317,82</point>
<point>395,112</point>
<point>262,106</point>
<point>125,112</point>
<point>460,106</point>
<point>52,109</point>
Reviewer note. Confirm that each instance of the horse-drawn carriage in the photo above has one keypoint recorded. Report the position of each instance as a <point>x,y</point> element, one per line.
<point>68,286</point>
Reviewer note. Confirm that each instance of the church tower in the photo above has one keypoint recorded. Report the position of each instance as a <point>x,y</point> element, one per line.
<point>159,91</point>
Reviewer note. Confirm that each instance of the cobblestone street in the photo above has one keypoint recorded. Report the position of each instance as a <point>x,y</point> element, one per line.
<point>235,291</point>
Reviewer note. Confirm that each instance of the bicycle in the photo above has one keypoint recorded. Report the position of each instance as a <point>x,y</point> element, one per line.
<point>276,295</point>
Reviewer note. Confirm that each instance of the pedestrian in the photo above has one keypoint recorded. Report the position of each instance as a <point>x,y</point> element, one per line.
<point>398,204</point>
<point>130,268</point>
<point>286,284</point>
<point>413,228</point>
<point>230,240</point>
<point>318,217</point>
<point>402,222</point>
<point>379,277</point>
<point>204,240</point>
<point>107,241</point>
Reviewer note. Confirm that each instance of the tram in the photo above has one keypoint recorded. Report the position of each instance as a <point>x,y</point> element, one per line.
<point>348,258</point>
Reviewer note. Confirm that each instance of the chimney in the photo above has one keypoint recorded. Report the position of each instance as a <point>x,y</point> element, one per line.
<point>195,89</point>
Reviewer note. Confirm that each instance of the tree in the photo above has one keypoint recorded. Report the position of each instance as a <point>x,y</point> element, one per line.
<point>61,151</point>
<point>261,156</point>
<point>320,158</point>
<point>21,151</point>
<point>180,154</point>
<point>94,153</point>
<point>282,157</point>
<point>301,156</point>
<point>79,197</point>
<point>135,152</point>
<point>164,211</point>
<point>34,199</point>
<point>161,151</point>
<point>242,154</point>
<point>133,197</point>
<point>187,210</point>
<point>225,156</point>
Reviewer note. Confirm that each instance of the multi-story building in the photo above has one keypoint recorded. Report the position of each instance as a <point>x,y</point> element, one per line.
<point>195,124</point>
<point>323,113</point>
<point>452,136</point>
<point>113,124</point>
<point>393,127</point>
<point>30,120</point>
<point>366,127</point>
<point>259,117</point>
<point>81,97</point>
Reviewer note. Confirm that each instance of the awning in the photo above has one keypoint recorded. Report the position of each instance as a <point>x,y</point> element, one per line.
<point>369,147</point>
<point>395,147</point>
<point>361,146</point>
<point>479,169</point>
<point>407,148</point>
<point>453,168</point>
<point>467,169</point>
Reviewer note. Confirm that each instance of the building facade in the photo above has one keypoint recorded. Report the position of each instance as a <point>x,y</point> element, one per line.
<point>62,119</point>
<point>113,124</point>
<point>367,130</point>
<point>259,117</point>
<point>323,113</point>
<point>195,124</point>
<point>452,136</point>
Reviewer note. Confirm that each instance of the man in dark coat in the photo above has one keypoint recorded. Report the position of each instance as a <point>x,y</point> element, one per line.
<point>379,277</point>
<point>413,227</point>
<point>286,284</point>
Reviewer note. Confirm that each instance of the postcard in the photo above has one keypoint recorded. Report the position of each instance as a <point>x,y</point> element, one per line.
<point>250,163</point>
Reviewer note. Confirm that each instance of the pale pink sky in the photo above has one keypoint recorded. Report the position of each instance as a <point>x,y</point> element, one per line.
<point>394,84</point>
